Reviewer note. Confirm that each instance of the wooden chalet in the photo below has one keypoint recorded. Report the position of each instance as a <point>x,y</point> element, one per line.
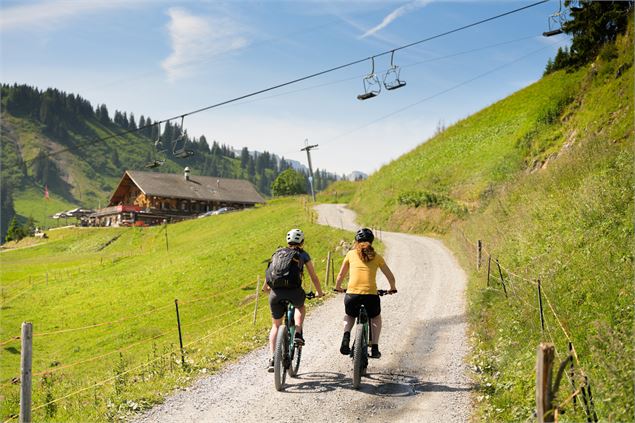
<point>149,198</point>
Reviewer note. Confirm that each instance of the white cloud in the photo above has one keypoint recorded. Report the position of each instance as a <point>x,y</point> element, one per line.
<point>195,39</point>
<point>392,16</point>
<point>49,14</point>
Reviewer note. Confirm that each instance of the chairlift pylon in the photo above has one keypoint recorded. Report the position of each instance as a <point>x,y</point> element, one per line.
<point>181,152</point>
<point>391,78</point>
<point>372,86</point>
<point>156,162</point>
<point>555,22</point>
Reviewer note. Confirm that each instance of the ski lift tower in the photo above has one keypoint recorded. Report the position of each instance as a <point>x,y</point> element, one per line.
<point>308,149</point>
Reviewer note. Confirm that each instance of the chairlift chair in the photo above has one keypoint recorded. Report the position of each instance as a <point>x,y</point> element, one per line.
<point>391,78</point>
<point>372,86</point>
<point>156,162</point>
<point>181,152</point>
<point>555,21</point>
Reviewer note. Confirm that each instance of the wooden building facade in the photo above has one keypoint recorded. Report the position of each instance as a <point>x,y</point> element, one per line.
<point>148,198</point>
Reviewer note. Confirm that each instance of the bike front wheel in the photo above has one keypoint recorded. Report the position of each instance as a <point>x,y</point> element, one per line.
<point>360,351</point>
<point>296,354</point>
<point>282,345</point>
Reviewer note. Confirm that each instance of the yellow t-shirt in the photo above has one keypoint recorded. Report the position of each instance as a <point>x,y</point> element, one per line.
<point>362,279</point>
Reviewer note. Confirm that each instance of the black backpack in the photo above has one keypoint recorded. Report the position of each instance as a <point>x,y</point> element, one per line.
<point>285,269</point>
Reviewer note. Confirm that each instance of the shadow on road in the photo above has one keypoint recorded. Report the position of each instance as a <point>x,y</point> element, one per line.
<point>380,384</point>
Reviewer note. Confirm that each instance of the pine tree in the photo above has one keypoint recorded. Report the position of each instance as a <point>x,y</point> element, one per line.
<point>244,158</point>
<point>14,233</point>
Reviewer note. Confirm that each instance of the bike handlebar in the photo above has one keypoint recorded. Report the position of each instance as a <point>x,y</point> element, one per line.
<point>380,292</point>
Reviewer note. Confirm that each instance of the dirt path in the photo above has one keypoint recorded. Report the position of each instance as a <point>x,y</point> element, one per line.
<point>421,376</point>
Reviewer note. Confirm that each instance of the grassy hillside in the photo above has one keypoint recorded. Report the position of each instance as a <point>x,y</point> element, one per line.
<point>338,192</point>
<point>102,304</point>
<point>545,179</point>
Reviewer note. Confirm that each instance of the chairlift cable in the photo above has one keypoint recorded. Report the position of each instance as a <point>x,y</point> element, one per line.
<point>294,81</point>
<point>452,88</point>
<point>433,59</point>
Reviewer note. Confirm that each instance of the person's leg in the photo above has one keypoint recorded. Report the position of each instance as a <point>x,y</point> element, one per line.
<point>273,334</point>
<point>297,298</point>
<point>375,324</point>
<point>299,318</point>
<point>348,323</point>
<point>374,312</point>
<point>351,309</point>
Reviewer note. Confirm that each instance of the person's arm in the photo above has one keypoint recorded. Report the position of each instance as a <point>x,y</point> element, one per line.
<point>314,278</point>
<point>341,276</point>
<point>391,278</point>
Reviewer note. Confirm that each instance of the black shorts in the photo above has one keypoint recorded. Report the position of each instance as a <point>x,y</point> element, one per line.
<point>295,295</point>
<point>352,303</point>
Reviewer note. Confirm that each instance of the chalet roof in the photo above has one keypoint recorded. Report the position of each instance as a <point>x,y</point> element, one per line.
<point>204,188</point>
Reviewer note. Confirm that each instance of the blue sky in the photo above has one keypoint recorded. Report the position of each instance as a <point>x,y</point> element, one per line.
<point>166,58</point>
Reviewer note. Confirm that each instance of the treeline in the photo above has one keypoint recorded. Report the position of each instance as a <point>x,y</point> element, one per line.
<point>593,26</point>
<point>65,115</point>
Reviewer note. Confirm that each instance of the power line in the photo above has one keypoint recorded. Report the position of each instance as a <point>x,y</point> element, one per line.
<point>294,81</point>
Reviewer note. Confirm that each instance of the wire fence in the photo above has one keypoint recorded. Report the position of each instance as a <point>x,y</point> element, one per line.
<point>508,280</point>
<point>242,312</point>
<point>244,308</point>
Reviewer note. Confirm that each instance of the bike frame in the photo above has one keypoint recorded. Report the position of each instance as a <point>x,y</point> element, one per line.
<point>289,322</point>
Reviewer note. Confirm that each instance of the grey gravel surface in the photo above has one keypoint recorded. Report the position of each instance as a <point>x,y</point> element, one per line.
<point>421,376</point>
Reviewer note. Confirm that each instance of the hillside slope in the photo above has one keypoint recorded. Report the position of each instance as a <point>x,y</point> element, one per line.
<point>544,179</point>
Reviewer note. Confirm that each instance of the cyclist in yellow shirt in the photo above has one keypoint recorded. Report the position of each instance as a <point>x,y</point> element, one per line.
<point>363,262</point>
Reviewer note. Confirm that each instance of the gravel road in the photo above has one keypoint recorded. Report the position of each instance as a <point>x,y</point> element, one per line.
<point>421,376</point>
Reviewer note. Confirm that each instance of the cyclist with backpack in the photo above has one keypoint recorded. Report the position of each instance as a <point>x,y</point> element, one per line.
<point>363,262</point>
<point>284,282</point>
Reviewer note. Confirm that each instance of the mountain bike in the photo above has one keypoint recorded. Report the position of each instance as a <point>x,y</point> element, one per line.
<point>288,352</point>
<point>361,343</point>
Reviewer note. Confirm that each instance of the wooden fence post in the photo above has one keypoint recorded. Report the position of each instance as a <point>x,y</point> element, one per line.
<point>572,375</point>
<point>328,269</point>
<point>542,316</point>
<point>500,272</point>
<point>178,322</point>
<point>256,306</point>
<point>544,366</point>
<point>26,359</point>
<point>167,246</point>
<point>479,248</point>
<point>332,272</point>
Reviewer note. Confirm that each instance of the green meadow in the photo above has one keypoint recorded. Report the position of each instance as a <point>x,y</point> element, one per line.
<point>102,305</point>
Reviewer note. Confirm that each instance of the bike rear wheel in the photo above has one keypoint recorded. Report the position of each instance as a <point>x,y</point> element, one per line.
<point>282,348</point>
<point>296,354</point>
<point>360,351</point>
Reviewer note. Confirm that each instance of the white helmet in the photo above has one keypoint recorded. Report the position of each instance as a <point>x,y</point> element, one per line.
<point>295,236</point>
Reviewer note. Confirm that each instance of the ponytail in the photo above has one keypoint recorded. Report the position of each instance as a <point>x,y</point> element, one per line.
<point>365,251</point>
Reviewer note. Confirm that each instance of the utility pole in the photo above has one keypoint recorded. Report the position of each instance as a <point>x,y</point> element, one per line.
<point>308,149</point>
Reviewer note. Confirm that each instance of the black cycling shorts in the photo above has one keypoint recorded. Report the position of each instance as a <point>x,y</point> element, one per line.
<point>352,303</point>
<point>295,295</point>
